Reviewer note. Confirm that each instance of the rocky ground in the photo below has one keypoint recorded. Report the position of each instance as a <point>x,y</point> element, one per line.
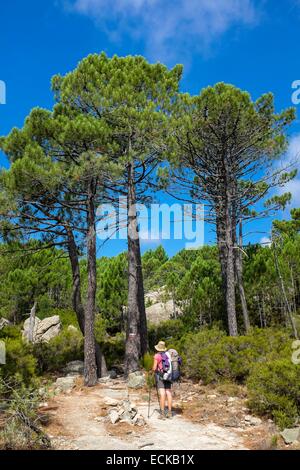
<point>204,418</point>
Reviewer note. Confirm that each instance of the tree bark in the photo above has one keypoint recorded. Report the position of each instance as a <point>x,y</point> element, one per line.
<point>227,262</point>
<point>77,301</point>
<point>76,288</point>
<point>90,367</point>
<point>32,323</point>
<point>230,262</point>
<point>239,278</point>
<point>284,295</point>
<point>136,330</point>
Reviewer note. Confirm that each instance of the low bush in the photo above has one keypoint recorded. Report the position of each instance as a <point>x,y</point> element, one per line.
<point>212,356</point>
<point>168,331</point>
<point>113,348</point>
<point>20,424</point>
<point>274,390</point>
<point>20,361</point>
<point>53,356</point>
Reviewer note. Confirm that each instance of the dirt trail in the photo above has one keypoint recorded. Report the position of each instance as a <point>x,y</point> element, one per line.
<point>79,422</point>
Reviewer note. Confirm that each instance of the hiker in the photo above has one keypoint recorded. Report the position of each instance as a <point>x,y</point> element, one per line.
<point>162,368</point>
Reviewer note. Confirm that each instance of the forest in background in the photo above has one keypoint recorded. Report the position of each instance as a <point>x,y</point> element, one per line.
<point>121,127</point>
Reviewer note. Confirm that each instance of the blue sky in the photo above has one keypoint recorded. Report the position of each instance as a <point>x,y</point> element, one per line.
<point>250,43</point>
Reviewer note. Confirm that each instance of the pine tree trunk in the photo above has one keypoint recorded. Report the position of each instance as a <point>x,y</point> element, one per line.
<point>141,301</point>
<point>90,368</point>
<point>77,301</point>
<point>230,266</point>
<point>230,293</point>
<point>239,278</point>
<point>76,290</point>
<point>227,262</point>
<point>289,313</point>
<point>136,331</point>
<point>222,254</point>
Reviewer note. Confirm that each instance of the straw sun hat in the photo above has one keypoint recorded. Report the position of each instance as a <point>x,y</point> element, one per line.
<point>161,346</point>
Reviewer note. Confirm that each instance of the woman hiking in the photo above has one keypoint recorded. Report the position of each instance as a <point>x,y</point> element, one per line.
<point>162,369</point>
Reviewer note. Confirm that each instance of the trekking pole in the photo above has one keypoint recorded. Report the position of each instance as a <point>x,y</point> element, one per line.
<point>149,398</point>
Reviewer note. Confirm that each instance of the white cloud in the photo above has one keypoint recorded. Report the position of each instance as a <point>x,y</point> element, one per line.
<point>168,28</point>
<point>265,241</point>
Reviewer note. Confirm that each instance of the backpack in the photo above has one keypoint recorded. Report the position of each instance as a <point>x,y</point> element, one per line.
<point>166,364</point>
<point>171,362</point>
<point>176,362</point>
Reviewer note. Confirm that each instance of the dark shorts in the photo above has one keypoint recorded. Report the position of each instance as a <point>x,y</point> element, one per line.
<point>160,383</point>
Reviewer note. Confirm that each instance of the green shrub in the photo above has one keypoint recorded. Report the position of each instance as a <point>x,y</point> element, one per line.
<point>21,428</point>
<point>100,329</point>
<point>274,390</point>
<point>113,348</point>
<point>66,347</point>
<point>10,331</point>
<point>167,331</point>
<point>147,362</point>
<point>212,356</point>
<point>20,362</point>
<point>67,316</point>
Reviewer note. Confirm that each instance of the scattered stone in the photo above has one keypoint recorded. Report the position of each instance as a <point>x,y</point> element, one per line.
<point>111,401</point>
<point>252,420</point>
<point>104,380</point>
<point>65,384</point>
<point>231,400</point>
<point>126,413</point>
<point>4,322</point>
<point>136,380</point>
<point>232,422</point>
<point>43,330</point>
<point>291,435</point>
<point>114,416</point>
<point>43,405</point>
<point>112,374</point>
<point>74,368</point>
<point>211,397</point>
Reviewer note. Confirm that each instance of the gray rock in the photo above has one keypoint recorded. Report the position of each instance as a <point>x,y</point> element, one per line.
<point>104,380</point>
<point>126,418</point>
<point>43,330</point>
<point>291,435</point>
<point>65,384</point>
<point>231,400</point>
<point>114,416</point>
<point>4,322</point>
<point>252,420</point>
<point>111,401</point>
<point>136,380</point>
<point>161,311</point>
<point>112,374</point>
<point>74,368</point>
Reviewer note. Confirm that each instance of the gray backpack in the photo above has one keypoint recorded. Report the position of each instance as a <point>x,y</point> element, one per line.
<point>176,362</point>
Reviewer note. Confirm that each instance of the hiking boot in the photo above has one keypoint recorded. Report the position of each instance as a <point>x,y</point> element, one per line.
<point>169,414</point>
<point>161,415</point>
